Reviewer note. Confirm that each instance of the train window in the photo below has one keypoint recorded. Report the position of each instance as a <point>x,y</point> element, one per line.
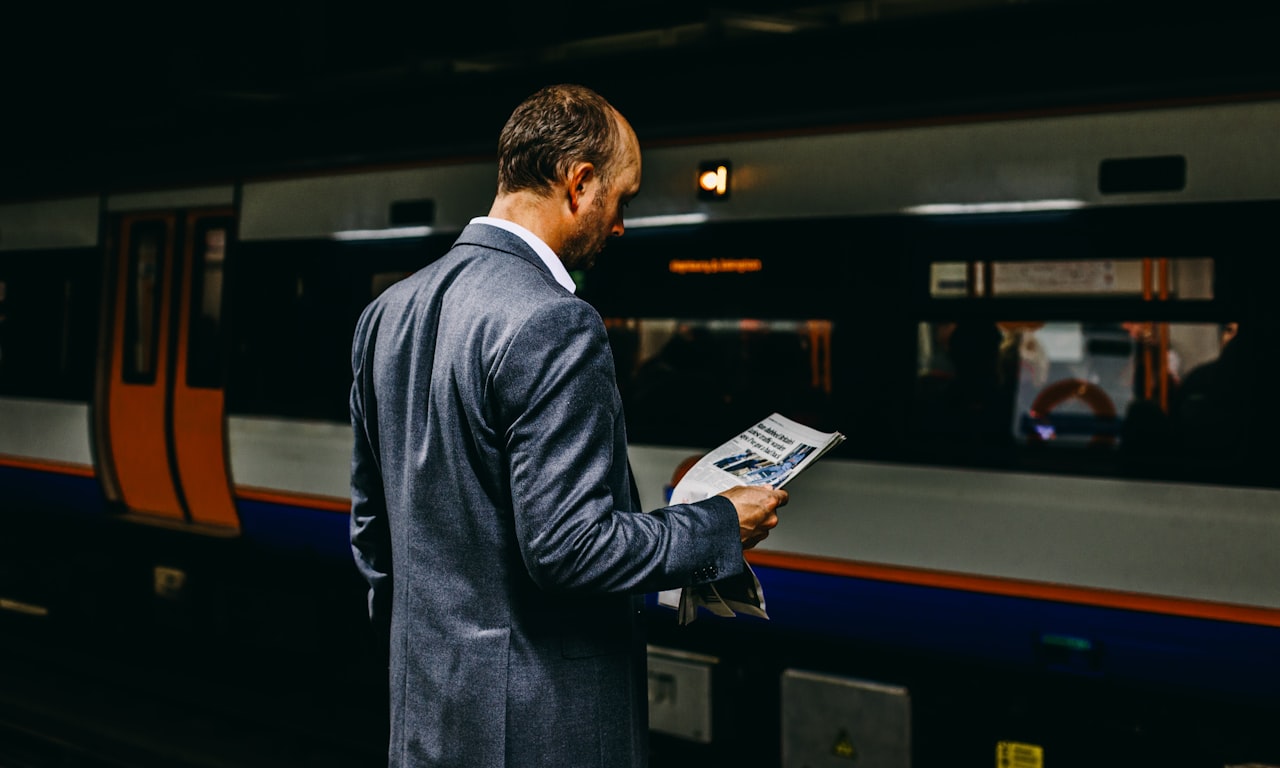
<point>48,324</point>
<point>694,382</point>
<point>297,303</point>
<point>204,362</point>
<point>1185,278</point>
<point>143,300</point>
<point>729,270</point>
<point>1093,343</point>
<point>293,333</point>
<point>3,340</point>
<point>984,389</point>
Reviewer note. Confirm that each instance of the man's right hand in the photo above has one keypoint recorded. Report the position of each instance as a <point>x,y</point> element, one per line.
<point>757,510</point>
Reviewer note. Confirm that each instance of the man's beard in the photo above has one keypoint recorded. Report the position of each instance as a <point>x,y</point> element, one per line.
<point>580,249</point>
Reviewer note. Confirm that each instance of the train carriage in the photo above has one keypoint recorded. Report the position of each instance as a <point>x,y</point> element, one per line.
<point>1048,338</point>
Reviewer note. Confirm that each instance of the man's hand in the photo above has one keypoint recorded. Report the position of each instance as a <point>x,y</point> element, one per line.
<point>757,511</point>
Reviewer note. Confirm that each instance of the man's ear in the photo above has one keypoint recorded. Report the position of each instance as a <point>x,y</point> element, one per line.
<point>580,177</point>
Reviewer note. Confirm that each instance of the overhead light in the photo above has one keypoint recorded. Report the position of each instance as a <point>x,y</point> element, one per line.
<point>713,180</point>
<point>1012,206</point>
<point>668,220</point>
<point>389,233</point>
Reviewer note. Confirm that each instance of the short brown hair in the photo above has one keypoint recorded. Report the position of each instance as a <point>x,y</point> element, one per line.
<point>550,131</point>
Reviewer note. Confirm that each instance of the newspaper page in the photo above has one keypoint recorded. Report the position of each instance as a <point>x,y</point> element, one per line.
<point>770,453</point>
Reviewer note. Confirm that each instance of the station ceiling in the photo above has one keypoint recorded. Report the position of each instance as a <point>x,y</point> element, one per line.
<point>134,94</point>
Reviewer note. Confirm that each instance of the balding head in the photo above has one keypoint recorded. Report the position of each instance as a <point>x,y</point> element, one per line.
<point>554,129</point>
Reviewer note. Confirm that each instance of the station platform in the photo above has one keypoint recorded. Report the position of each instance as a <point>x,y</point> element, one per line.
<point>72,709</point>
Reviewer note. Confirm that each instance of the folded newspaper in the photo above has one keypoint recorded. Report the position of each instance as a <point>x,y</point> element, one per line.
<point>769,453</point>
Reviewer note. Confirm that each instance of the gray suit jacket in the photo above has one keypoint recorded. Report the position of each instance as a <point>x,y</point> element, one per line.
<point>494,518</point>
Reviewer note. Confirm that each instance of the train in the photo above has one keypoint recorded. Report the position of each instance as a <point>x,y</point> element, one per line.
<point>1048,539</point>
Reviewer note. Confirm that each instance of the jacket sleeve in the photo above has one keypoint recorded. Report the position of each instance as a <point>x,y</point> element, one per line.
<point>370,530</point>
<point>556,397</point>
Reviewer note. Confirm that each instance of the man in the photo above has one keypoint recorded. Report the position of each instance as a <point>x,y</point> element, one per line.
<point>493,511</point>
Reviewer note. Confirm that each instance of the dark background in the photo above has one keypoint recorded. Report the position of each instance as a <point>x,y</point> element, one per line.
<point>124,96</point>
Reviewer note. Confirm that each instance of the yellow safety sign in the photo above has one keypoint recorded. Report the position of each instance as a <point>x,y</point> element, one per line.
<point>1014,754</point>
<point>844,746</point>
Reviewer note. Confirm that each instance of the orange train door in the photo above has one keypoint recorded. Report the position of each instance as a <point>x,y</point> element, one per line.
<point>160,423</point>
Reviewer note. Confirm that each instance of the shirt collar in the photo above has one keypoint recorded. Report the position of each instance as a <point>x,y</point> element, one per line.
<point>543,250</point>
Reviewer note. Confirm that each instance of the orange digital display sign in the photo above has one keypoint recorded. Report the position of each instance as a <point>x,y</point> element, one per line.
<point>714,266</point>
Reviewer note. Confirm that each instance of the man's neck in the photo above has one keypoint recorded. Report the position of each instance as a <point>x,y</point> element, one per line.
<point>540,215</point>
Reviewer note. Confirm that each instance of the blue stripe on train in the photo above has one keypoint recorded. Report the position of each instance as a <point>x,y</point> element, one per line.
<point>1211,656</point>
<point>298,530</point>
<point>22,489</point>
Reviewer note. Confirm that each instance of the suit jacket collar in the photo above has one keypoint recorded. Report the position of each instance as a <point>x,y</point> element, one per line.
<point>497,238</point>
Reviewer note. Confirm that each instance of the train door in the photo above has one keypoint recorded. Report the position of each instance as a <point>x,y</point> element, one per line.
<point>160,415</point>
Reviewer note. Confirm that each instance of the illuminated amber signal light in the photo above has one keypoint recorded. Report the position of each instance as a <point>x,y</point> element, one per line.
<point>713,180</point>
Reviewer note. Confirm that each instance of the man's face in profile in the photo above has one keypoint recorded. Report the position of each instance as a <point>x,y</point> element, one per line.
<point>602,216</point>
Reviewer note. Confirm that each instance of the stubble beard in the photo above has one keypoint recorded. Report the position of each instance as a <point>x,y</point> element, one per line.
<point>580,249</point>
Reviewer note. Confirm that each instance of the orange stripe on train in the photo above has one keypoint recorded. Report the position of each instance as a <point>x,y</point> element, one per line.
<point>1200,609</point>
<point>294,499</point>
<point>47,465</point>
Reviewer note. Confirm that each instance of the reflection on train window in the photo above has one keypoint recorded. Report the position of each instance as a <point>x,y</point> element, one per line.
<point>142,304</point>
<point>204,363</point>
<point>696,382</point>
<point>985,388</point>
<point>1187,279</point>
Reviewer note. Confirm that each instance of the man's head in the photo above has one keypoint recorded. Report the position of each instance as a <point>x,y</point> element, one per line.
<point>549,131</point>
<point>571,154</point>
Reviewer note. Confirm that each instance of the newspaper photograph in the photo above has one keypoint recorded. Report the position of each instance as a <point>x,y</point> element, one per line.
<point>772,452</point>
